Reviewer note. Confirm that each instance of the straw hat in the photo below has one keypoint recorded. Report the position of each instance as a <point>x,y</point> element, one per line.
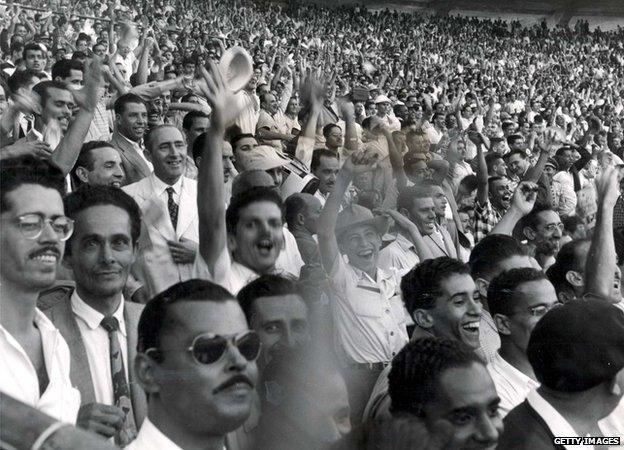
<point>236,68</point>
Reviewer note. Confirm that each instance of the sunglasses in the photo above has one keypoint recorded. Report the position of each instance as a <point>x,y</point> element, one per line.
<point>208,348</point>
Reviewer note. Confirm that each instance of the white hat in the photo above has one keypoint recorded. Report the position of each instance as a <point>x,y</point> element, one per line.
<point>382,99</point>
<point>262,157</point>
<point>236,68</point>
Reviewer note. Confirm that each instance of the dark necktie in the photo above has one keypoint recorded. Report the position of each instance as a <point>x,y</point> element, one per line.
<point>121,390</point>
<point>173,208</point>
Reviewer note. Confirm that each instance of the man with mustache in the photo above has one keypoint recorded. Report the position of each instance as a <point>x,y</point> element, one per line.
<point>197,362</point>
<point>100,254</point>
<point>34,357</point>
<point>167,198</point>
<point>543,230</point>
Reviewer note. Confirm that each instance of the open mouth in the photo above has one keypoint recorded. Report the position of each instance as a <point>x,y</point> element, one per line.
<point>265,247</point>
<point>174,163</point>
<point>116,184</point>
<point>471,327</point>
<point>47,257</point>
<point>366,255</point>
<point>139,130</point>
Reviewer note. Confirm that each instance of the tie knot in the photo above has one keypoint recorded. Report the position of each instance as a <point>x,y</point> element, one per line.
<point>170,191</point>
<point>110,323</point>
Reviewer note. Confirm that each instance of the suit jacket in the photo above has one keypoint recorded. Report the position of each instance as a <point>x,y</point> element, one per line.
<point>154,265</point>
<point>134,166</point>
<point>526,430</point>
<point>56,305</point>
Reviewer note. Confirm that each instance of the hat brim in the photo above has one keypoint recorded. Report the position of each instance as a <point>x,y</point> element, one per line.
<point>379,223</point>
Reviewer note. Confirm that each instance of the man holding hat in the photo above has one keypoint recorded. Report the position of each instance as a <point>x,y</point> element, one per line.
<point>383,112</point>
<point>369,317</point>
<point>580,366</point>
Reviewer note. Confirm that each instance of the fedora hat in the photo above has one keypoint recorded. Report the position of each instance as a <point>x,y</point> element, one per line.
<point>356,215</point>
<point>236,68</point>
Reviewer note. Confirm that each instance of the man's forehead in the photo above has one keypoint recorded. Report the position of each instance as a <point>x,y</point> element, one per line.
<point>467,386</point>
<point>60,94</point>
<point>329,162</point>
<point>281,306</point>
<point>261,209</point>
<point>167,134</point>
<point>106,153</point>
<point>457,283</point>
<point>194,317</point>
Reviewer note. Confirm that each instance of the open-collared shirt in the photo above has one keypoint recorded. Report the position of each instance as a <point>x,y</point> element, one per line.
<point>512,386</point>
<point>18,376</point>
<point>369,315</point>
<point>399,254</point>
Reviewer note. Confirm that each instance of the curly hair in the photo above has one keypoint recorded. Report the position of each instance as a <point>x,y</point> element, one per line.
<point>421,285</point>
<point>417,369</point>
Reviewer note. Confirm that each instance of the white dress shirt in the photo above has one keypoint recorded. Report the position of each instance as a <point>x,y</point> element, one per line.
<point>18,377</point>
<point>151,438</point>
<point>160,190</point>
<point>228,273</point>
<point>512,386</point>
<point>96,342</point>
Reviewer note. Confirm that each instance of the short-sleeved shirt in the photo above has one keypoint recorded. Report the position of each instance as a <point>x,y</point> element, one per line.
<point>400,255</point>
<point>267,121</point>
<point>485,219</point>
<point>369,316</point>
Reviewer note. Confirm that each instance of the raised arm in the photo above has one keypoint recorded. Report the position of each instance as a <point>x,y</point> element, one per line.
<point>210,185</point>
<point>328,244</point>
<point>410,228</point>
<point>66,152</point>
<point>522,204</point>
<point>482,172</point>
<point>601,260</point>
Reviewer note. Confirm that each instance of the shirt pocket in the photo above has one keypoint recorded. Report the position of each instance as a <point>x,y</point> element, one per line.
<point>366,302</point>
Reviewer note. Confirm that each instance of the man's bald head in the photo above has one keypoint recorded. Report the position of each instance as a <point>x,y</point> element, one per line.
<point>249,179</point>
<point>302,211</point>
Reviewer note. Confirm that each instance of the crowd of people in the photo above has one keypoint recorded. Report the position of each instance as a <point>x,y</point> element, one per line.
<point>402,231</point>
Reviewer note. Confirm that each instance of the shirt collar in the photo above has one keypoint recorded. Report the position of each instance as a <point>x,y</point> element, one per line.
<point>136,145</point>
<point>160,186</point>
<point>404,243</point>
<point>93,318</point>
<point>514,375</point>
<point>558,425</point>
<point>381,275</point>
<point>151,437</point>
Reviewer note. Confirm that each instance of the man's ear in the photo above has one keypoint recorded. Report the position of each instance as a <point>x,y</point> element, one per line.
<point>144,369</point>
<point>82,174</point>
<point>529,233</point>
<point>574,278</point>
<point>300,219</point>
<point>423,318</point>
<point>564,297</point>
<point>231,243</point>
<point>482,286</point>
<point>502,324</point>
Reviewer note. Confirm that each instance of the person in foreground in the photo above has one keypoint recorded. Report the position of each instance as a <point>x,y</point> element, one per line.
<point>196,360</point>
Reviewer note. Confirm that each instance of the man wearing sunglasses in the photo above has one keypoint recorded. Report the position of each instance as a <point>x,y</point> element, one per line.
<point>517,300</point>
<point>197,363</point>
<point>34,357</point>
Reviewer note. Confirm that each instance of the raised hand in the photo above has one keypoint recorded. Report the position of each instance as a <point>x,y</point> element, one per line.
<point>361,162</point>
<point>87,97</point>
<point>524,197</point>
<point>608,187</point>
<point>222,100</point>
<point>22,147</point>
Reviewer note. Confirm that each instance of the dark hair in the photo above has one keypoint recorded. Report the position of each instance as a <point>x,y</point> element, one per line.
<point>319,153</point>
<point>470,182</point>
<point>502,289</point>
<point>563,149</point>
<point>406,197</point>
<point>63,67</point>
<point>43,87</point>
<point>32,46</point>
<point>423,361</point>
<point>491,251</point>
<point>240,136</point>
<point>265,286</point>
<point>567,259</point>
<point>421,285</point>
<point>187,121</point>
<point>84,157</point>
<point>327,129</point>
<point>293,206</point>
<point>78,55</point>
<point>198,145</point>
<point>154,319</point>
<point>513,138</point>
<point>571,223</point>
<point>15,172</point>
<point>89,195</point>
<point>21,78</point>
<point>244,199</point>
<point>491,159</point>
<point>531,220</point>
<point>123,100</point>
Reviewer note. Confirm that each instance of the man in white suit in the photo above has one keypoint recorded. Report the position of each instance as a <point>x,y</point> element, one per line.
<point>169,234</point>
